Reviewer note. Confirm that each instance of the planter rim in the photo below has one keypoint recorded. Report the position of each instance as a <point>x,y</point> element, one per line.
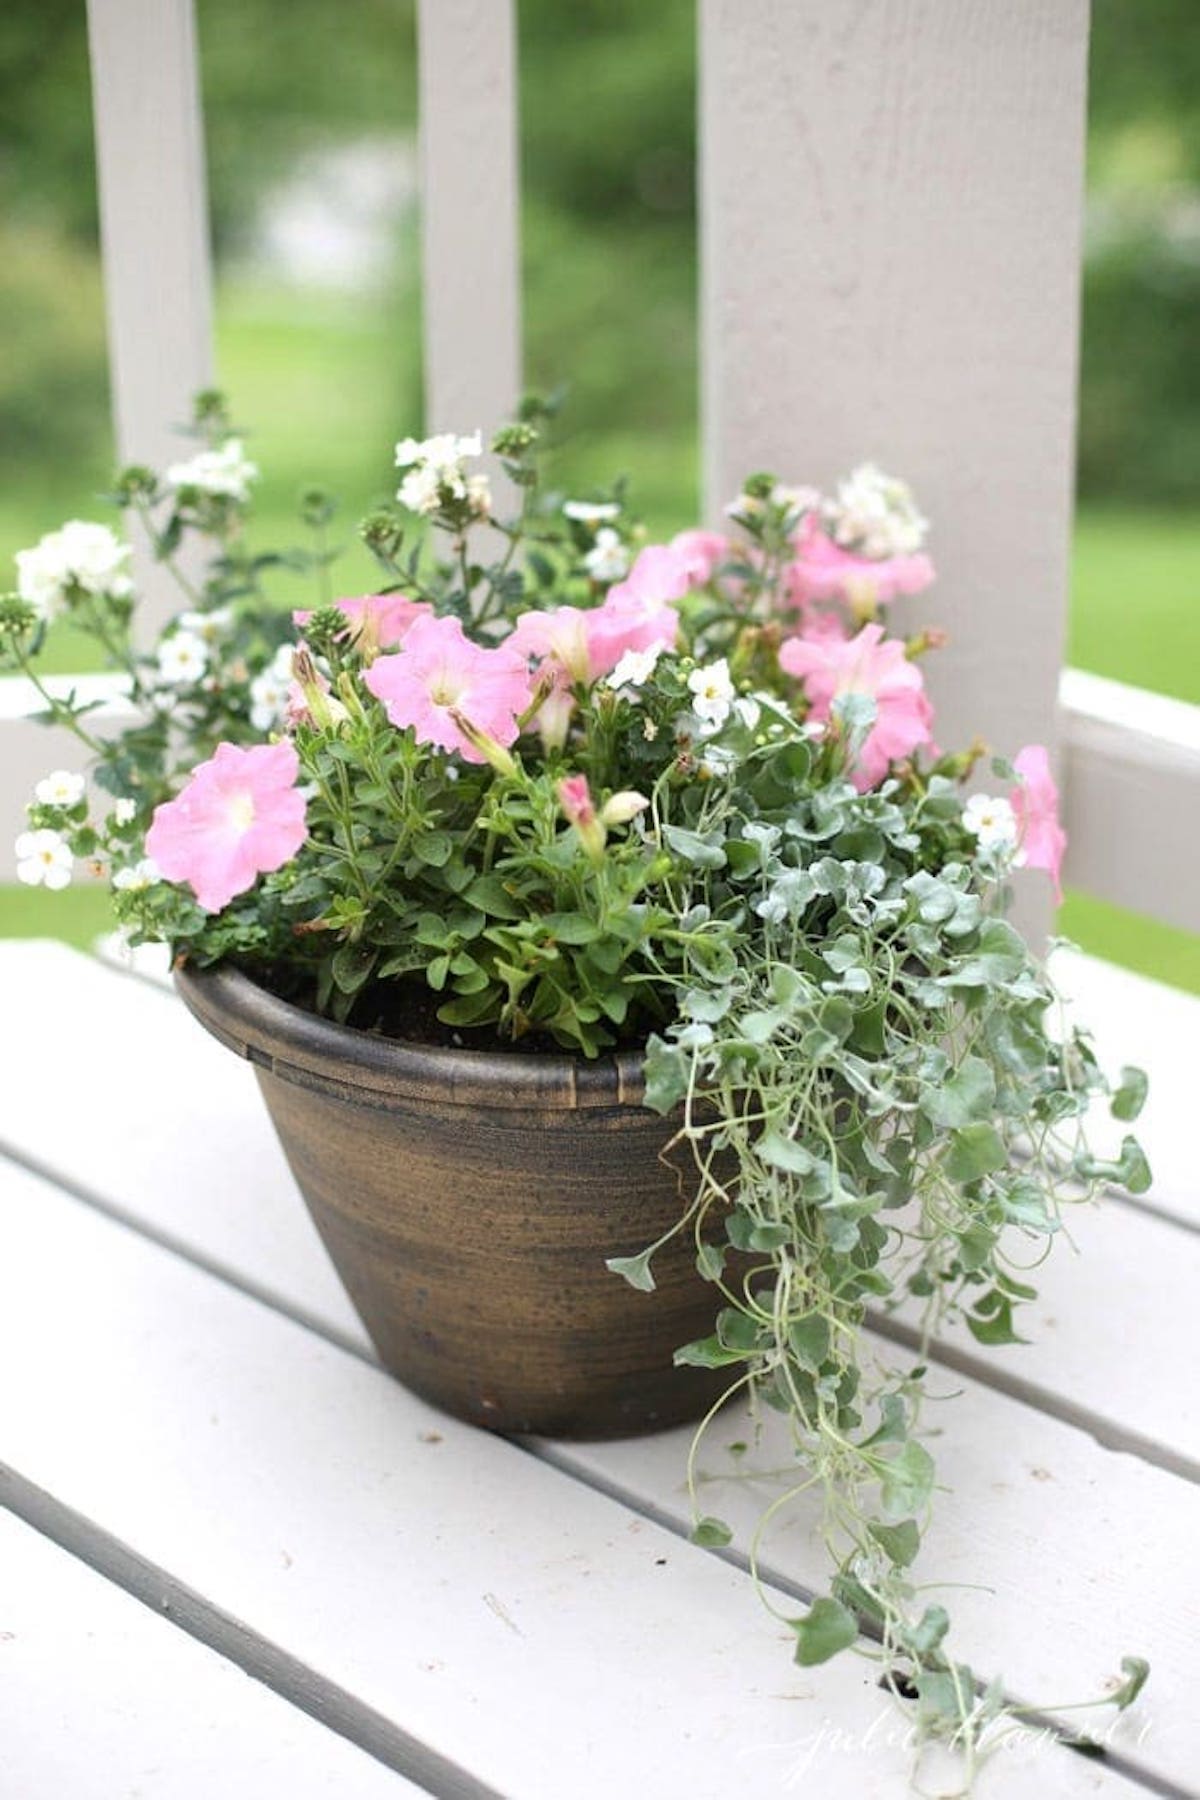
<point>308,1051</point>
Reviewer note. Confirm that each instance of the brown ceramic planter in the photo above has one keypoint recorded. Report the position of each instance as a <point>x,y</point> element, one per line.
<point>468,1200</point>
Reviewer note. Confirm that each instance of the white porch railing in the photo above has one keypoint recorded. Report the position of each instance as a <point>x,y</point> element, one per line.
<point>890,246</point>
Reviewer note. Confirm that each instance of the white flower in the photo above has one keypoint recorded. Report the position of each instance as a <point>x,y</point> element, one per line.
<point>60,788</point>
<point>269,691</point>
<point>211,626</point>
<point>182,659</point>
<point>592,512</point>
<point>795,500</point>
<point>420,490</point>
<point>696,1036</point>
<point>712,693</point>
<point>993,822</point>
<point>142,875</point>
<point>608,559</point>
<point>479,496</point>
<point>748,710</point>
<point>876,515</point>
<point>125,811</point>
<point>634,668</point>
<point>743,507</point>
<point>85,556</point>
<point>226,473</point>
<point>44,859</point>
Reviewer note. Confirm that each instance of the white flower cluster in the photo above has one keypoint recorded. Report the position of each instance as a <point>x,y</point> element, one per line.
<point>712,691</point>
<point>182,659</point>
<point>591,512</point>
<point>993,824</point>
<point>210,626</point>
<point>875,514</point>
<point>225,474</point>
<point>634,669</point>
<point>608,558</point>
<point>138,877</point>
<point>60,788</point>
<point>44,859</point>
<point>79,556</point>
<point>269,691</point>
<point>436,474</point>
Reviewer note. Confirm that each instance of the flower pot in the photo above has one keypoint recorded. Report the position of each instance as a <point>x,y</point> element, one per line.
<point>469,1200</point>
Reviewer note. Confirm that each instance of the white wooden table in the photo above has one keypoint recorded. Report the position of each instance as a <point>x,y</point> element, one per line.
<point>240,1560</point>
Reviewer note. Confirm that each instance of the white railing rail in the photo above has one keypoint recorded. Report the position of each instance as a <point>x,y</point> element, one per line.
<point>890,219</point>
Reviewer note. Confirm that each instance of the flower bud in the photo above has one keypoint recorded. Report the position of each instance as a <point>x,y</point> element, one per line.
<point>317,706</point>
<point>492,753</point>
<point>575,798</point>
<point>620,808</point>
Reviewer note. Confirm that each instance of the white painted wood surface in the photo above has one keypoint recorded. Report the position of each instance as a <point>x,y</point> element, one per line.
<point>891,194</point>
<point>154,234</point>
<point>99,1698</point>
<point>482,1609</point>
<point>1026,1488</point>
<point>469,186</point>
<point>1131,769</point>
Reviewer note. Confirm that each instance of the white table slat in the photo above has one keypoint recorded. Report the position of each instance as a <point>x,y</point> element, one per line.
<point>533,1632</point>
<point>100,1698</point>
<point>978,1537</point>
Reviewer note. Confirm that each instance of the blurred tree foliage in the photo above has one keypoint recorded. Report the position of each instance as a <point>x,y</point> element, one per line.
<point>608,149</point>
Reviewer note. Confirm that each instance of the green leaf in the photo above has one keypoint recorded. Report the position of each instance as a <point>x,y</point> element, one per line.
<point>635,1269</point>
<point>893,1423</point>
<point>899,1543</point>
<point>927,1634</point>
<point>907,1481</point>
<point>489,894</point>
<point>710,1533</point>
<point>780,1152</point>
<point>975,1151</point>
<point>809,1340</point>
<point>706,1353</point>
<point>1130,1097</point>
<point>969,1094</point>
<point>827,1627</point>
<point>710,1261</point>
<point>1137,1673</point>
<point>666,1071</point>
<point>991,1322</point>
<point>1133,1171</point>
<point>351,967</point>
<point>570,928</point>
<point>693,848</point>
<point>433,847</point>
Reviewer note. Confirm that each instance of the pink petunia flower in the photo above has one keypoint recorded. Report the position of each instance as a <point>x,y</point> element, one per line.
<point>560,636</point>
<point>703,551</point>
<point>822,570</point>
<point>378,620</point>
<point>240,816</point>
<point>660,574</point>
<point>438,671</point>
<point>1041,840</point>
<point>866,664</point>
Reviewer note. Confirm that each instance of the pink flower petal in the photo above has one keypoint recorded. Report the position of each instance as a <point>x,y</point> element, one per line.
<point>830,666</point>
<point>1041,840</point>
<point>239,816</point>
